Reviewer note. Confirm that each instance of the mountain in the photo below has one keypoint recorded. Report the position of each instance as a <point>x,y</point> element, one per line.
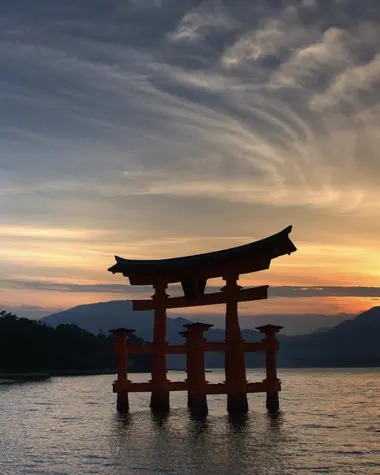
<point>102,317</point>
<point>106,315</point>
<point>353,342</point>
<point>293,324</point>
<point>368,321</point>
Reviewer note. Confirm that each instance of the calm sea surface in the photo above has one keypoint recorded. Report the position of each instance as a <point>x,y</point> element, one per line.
<point>329,423</point>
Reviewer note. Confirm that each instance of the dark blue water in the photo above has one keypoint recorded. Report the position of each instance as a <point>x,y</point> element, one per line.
<point>329,423</point>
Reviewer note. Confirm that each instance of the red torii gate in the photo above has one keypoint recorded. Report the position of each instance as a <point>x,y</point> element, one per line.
<point>193,272</point>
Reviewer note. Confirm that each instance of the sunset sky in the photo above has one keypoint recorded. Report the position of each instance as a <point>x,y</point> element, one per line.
<point>161,128</point>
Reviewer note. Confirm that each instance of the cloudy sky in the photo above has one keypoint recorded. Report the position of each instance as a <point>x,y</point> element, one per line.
<point>159,128</point>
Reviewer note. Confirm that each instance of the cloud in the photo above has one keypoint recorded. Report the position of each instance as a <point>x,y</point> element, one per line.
<point>28,232</point>
<point>328,291</point>
<point>306,64</point>
<point>170,101</point>
<point>155,120</point>
<point>174,290</point>
<point>275,37</point>
<point>198,22</point>
<point>146,3</point>
<point>347,87</point>
<point>67,287</point>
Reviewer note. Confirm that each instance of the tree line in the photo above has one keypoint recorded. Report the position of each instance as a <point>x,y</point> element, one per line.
<point>30,346</point>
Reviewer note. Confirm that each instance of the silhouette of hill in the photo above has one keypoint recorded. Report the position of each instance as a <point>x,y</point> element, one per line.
<point>368,321</point>
<point>296,324</point>
<point>27,345</point>
<point>103,316</point>
<point>106,315</point>
<point>353,342</point>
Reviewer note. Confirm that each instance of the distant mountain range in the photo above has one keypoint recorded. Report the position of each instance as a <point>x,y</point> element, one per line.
<point>353,342</point>
<point>297,324</point>
<point>106,315</point>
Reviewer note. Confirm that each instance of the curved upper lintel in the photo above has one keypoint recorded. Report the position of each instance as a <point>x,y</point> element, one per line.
<point>243,259</point>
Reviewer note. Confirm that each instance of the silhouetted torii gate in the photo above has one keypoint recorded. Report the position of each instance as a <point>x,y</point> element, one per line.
<point>193,272</point>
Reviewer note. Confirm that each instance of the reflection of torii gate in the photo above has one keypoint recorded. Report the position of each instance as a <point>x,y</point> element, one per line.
<point>193,272</point>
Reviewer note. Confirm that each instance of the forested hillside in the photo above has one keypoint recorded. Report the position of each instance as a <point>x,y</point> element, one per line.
<point>27,345</point>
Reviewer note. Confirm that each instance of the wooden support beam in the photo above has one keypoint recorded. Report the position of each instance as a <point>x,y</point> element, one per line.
<point>221,388</point>
<point>211,388</point>
<point>145,349</point>
<point>215,346</point>
<point>176,349</point>
<point>148,348</point>
<point>243,295</point>
<point>251,347</point>
<point>146,387</point>
<point>129,387</point>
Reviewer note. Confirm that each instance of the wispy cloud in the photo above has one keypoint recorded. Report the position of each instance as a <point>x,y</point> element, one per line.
<point>347,87</point>
<point>336,291</point>
<point>136,291</point>
<point>149,120</point>
<point>273,37</point>
<point>198,22</point>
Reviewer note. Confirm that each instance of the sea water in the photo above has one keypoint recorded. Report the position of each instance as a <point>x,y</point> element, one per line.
<point>329,423</point>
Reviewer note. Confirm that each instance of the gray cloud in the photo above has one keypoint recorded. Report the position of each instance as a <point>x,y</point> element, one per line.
<point>115,80</point>
<point>136,291</point>
<point>324,291</point>
<point>154,119</point>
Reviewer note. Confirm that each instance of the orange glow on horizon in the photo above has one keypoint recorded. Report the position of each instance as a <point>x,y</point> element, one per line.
<point>82,257</point>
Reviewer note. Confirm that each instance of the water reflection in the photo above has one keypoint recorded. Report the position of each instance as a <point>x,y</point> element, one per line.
<point>123,419</point>
<point>179,442</point>
<point>198,427</point>
<point>85,432</point>
<point>122,424</point>
<point>238,424</point>
<point>275,420</point>
<point>196,416</point>
<point>159,418</point>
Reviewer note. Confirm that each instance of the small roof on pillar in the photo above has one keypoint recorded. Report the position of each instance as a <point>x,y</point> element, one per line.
<point>196,269</point>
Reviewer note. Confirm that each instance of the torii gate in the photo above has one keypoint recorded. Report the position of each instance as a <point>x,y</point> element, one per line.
<point>193,272</point>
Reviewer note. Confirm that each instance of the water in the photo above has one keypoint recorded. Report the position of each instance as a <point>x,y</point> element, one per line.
<point>329,423</point>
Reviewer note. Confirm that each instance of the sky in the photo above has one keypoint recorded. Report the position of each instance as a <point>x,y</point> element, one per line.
<point>162,128</point>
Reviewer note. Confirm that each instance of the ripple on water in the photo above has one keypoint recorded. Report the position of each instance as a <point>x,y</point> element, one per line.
<point>70,426</point>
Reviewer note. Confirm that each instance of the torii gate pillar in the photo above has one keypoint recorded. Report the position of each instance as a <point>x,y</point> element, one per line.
<point>159,401</point>
<point>236,379</point>
<point>121,384</point>
<point>196,380</point>
<point>272,382</point>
